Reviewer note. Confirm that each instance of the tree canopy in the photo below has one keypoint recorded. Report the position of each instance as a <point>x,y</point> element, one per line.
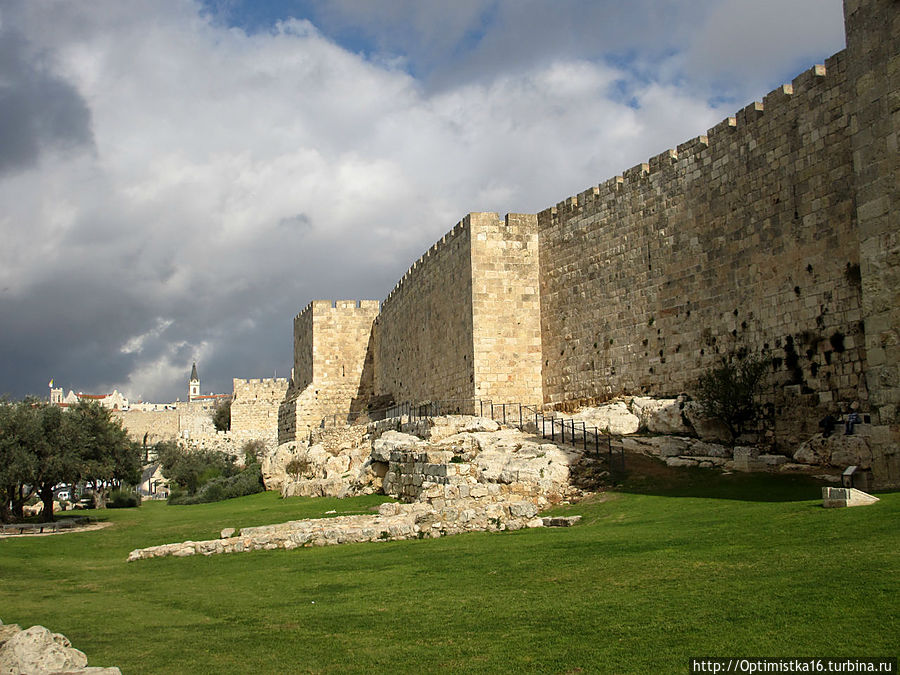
<point>44,445</point>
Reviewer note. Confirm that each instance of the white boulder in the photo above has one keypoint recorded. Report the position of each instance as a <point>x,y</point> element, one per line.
<point>661,416</point>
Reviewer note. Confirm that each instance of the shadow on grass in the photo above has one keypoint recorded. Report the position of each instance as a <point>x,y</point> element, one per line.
<point>648,476</point>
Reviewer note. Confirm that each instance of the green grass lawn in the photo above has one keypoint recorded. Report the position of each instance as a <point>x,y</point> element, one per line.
<point>703,565</point>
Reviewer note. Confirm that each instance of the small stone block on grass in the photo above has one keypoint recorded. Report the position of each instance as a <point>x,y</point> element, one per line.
<point>833,497</point>
<point>561,521</point>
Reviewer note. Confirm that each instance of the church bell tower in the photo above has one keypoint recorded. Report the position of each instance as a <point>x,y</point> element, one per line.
<point>194,386</point>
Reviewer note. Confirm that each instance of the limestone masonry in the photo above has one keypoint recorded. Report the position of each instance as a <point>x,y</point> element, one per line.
<point>776,233</point>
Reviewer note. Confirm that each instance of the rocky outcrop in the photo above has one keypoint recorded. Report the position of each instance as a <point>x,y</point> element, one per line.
<point>630,415</point>
<point>457,474</point>
<point>613,418</point>
<point>660,416</point>
<point>37,651</point>
<point>837,450</point>
<point>405,458</point>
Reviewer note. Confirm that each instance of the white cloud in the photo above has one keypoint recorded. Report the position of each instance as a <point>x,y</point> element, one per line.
<point>232,177</point>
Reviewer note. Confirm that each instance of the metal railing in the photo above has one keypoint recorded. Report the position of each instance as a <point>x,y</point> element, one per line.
<point>519,415</point>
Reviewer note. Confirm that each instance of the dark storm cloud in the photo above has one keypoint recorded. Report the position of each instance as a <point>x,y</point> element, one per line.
<point>38,110</point>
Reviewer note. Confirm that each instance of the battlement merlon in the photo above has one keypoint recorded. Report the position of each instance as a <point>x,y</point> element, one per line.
<point>259,382</point>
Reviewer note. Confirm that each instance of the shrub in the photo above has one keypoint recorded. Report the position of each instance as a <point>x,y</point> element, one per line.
<point>728,392</point>
<point>253,451</point>
<point>247,482</point>
<point>123,499</point>
<point>296,468</point>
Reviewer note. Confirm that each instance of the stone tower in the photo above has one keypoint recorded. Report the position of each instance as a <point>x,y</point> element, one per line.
<point>194,385</point>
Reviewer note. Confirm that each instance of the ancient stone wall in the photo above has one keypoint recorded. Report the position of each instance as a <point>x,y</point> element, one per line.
<point>302,373</point>
<point>424,348</point>
<point>740,240</point>
<point>196,417</point>
<point>254,408</point>
<point>873,47</point>
<point>506,308</point>
<point>152,426</point>
<point>464,321</point>
<point>774,234</point>
<point>333,347</point>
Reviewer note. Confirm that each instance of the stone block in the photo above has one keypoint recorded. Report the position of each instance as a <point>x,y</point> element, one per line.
<point>834,497</point>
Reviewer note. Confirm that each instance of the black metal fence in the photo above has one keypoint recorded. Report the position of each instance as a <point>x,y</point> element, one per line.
<point>524,417</point>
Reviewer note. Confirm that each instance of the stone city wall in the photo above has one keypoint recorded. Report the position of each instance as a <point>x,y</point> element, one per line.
<point>873,36</point>
<point>254,408</point>
<point>774,234</point>
<point>333,347</point>
<point>743,239</point>
<point>195,418</point>
<point>150,426</point>
<point>506,308</point>
<point>424,347</point>
<point>464,321</point>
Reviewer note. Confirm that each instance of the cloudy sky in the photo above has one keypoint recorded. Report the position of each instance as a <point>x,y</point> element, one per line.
<point>178,178</point>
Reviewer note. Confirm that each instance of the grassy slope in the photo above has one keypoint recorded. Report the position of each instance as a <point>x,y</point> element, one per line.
<point>709,565</point>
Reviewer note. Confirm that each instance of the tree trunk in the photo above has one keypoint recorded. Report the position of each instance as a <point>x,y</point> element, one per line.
<point>47,498</point>
<point>18,503</point>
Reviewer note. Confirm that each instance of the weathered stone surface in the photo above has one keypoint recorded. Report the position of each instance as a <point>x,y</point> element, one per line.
<point>7,631</point>
<point>226,533</point>
<point>561,521</point>
<point>392,441</point>
<point>274,462</point>
<point>393,522</point>
<point>706,429</point>
<point>674,446</point>
<point>746,458</point>
<point>37,650</point>
<point>612,418</point>
<point>661,416</point>
<point>836,450</point>
<point>833,497</point>
<point>436,429</point>
<point>681,461</point>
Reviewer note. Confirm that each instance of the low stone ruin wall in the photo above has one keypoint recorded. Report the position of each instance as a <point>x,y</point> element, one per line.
<point>36,651</point>
<point>394,522</point>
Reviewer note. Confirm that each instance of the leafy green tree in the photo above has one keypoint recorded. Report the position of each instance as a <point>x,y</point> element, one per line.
<point>221,416</point>
<point>19,432</point>
<point>108,458</point>
<point>57,452</point>
<point>43,445</point>
<point>728,392</point>
<point>191,469</point>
